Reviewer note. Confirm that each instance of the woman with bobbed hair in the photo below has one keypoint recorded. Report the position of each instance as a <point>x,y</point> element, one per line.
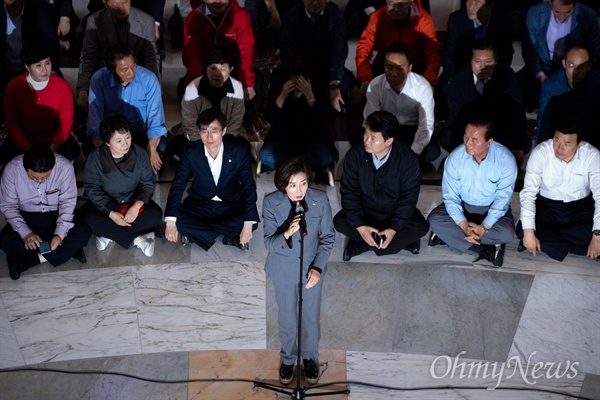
<point>119,182</point>
<point>282,236</point>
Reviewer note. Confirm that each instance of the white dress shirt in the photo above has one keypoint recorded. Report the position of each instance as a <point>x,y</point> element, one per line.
<point>215,165</point>
<point>558,180</point>
<point>412,106</point>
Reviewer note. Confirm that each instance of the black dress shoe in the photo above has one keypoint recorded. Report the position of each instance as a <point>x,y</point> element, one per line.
<point>434,240</point>
<point>521,248</point>
<point>80,256</point>
<point>235,242</point>
<point>498,256</point>
<point>15,266</point>
<point>352,249</point>
<point>311,371</point>
<point>414,247</point>
<point>185,240</point>
<point>286,373</point>
<point>494,254</point>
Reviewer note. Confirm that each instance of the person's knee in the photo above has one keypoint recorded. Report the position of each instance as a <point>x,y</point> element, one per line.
<point>339,221</point>
<point>435,218</point>
<point>503,234</point>
<point>267,156</point>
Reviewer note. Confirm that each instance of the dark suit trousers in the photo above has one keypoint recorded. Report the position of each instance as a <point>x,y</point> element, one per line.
<point>203,221</point>
<point>562,228</point>
<point>43,224</point>
<point>414,230</point>
<point>102,225</point>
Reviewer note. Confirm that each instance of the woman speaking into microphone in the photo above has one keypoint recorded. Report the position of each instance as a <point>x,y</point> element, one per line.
<point>285,212</point>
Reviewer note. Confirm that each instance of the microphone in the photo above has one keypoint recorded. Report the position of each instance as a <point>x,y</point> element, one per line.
<point>300,211</point>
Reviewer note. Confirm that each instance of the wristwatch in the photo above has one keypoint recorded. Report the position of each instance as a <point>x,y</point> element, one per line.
<point>334,85</point>
<point>596,232</point>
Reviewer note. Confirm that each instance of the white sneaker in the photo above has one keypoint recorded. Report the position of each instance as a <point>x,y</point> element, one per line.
<point>145,243</point>
<point>102,242</point>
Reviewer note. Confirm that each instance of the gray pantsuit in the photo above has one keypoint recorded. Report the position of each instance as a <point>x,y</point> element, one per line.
<point>444,226</point>
<point>287,301</point>
<point>282,267</point>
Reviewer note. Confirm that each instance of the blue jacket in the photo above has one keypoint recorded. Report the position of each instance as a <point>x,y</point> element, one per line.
<point>584,29</point>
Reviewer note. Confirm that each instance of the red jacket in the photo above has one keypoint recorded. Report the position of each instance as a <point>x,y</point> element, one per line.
<point>419,36</point>
<point>33,117</point>
<point>200,34</point>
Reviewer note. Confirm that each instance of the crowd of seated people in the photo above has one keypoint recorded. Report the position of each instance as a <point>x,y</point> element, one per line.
<point>398,62</point>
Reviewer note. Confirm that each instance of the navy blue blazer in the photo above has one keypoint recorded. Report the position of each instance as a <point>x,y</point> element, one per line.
<point>235,186</point>
<point>282,262</point>
<point>584,29</point>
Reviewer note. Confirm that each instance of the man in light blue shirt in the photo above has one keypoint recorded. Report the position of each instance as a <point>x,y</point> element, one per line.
<point>134,91</point>
<point>477,185</point>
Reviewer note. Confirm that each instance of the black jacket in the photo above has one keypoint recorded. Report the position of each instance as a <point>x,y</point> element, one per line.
<point>388,195</point>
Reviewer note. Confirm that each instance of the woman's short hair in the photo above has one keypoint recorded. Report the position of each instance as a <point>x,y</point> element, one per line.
<point>289,168</point>
<point>39,158</point>
<point>34,54</point>
<point>111,124</point>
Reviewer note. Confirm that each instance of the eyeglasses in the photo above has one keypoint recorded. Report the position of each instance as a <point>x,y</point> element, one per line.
<point>211,132</point>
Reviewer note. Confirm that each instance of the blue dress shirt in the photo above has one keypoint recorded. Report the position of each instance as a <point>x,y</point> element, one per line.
<point>140,102</point>
<point>490,183</point>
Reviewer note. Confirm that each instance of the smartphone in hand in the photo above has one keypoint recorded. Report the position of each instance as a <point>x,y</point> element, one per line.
<point>378,239</point>
<point>45,248</point>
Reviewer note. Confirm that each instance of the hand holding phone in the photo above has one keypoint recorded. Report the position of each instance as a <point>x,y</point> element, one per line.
<point>378,239</point>
<point>45,248</point>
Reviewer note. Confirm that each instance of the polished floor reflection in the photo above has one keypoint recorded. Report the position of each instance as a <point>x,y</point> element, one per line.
<point>393,320</point>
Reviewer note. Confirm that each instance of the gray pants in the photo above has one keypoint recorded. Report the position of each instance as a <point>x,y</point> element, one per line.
<point>287,301</point>
<point>444,226</point>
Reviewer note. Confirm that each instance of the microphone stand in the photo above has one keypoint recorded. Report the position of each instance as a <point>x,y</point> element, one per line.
<point>298,392</point>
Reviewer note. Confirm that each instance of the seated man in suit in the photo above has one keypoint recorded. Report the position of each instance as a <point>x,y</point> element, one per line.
<point>477,20</point>
<point>486,84</point>
<point>551,28</point>
<point>123,87</point>
<point>409,97</point>
<point>118,24</point>
<point>478,182</point>
<point>38,195</point>
<point>560,200</point>
<point>575,88</point>
<point>380,187</point>
<point>222,198</point>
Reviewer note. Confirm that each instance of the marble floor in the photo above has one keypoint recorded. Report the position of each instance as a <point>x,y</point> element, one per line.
<point>404,321</point>
<point>436,325</point>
